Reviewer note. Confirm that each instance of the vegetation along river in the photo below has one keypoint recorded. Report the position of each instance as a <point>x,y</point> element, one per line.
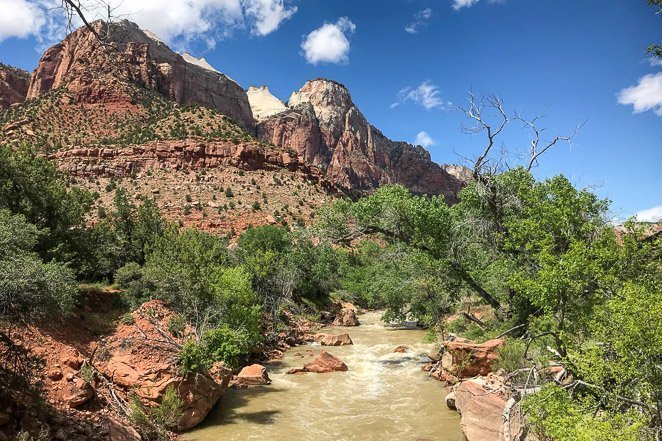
<point>383,396</point>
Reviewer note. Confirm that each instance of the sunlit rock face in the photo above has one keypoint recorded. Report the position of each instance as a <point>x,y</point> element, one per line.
<point>94,73</point>
<point>13,86</point>
<point>322,123</point>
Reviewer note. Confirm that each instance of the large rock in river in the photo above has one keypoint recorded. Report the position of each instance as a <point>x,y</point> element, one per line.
<point>334,340</point>
<point>325,363</point>
<point>346,317</point>
<point>466,359</point>
<point>253,375</point>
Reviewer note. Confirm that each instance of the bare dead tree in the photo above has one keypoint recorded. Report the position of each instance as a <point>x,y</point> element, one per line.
<point>538,146</point>
<point>480,124</point>
<point>83,10</point>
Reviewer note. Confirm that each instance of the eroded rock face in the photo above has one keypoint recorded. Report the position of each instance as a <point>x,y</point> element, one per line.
<point>147,366</point>
<point>14,84</point>
<point>95,74</point>
<point>328,130</point>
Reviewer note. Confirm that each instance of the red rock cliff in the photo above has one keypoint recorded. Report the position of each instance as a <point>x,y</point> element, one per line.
<point>93,72</point>
<point>13,85</point>
<point>323,124</point>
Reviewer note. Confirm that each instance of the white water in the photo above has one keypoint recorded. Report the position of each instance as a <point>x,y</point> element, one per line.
<point>384,395</point>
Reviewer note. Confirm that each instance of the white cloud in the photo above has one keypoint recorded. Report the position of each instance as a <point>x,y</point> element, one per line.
<point>20,18</point>
<point>421,19</point>
<point>427,94</point>
<point>424,139</point>
<point>329,43</point>
<point>650,215</point>
<point>459,4</point>
<point>176,22</point>
<point>647,95</point>
<point>268,14</point>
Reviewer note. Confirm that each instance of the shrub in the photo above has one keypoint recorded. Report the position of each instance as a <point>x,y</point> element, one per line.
<point>226,345</point>
<point>154,422</point>
<point>193,358</point>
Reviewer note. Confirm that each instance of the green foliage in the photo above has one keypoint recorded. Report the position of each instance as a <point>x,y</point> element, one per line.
<point>124,235</point>
<point>555,415</point>
<point>155,422</point>
<point>227,345</point>
<point>136,290</point>
<point>193,358</point>
<point>30,288</point>
<point>31,185</point>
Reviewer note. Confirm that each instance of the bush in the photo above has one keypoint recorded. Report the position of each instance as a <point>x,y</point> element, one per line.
<point>29,288</point>
<point>226,345</point>
<point>130,279</point>
<point>154,422</point>
<point>193,358</point>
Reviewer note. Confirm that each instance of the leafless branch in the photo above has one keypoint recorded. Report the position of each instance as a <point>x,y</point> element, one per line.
<point>475,112</point>
<point>538,146</point>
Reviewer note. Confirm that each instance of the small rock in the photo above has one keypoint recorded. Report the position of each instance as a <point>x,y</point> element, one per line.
<point>401,349</point>
<point>450,401</point>
<point>55,374</point>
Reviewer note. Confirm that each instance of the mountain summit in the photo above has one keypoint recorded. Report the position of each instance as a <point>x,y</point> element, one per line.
<point>322,123</point>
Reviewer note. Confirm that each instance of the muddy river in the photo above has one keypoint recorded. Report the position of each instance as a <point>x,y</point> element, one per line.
<point>384,396</point>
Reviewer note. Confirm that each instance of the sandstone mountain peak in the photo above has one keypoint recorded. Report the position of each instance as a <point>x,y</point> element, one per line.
<point>199,62</point>
<point>263,103</point>
<point>325,126</point>
<point>133,58</point>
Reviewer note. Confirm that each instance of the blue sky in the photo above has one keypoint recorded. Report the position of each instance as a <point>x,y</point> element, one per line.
<point>568,59</point>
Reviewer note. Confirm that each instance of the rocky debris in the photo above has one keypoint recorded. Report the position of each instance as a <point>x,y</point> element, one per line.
<point>94,74</point>
<point>327,129</point>
<point>346,317</point>
<point>142,358</point>
<point>253,375</point>
<point>77,392</point>
<point>13,86</point>
<point>401,349</point>
<point>481,408</point>
<point>263,103</point>
<point>120,431</point>
<point>333,340</point>
<point>466,359</point>
<point>324,363</point>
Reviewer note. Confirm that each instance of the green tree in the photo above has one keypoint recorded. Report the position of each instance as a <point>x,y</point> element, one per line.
<point>31,185</point>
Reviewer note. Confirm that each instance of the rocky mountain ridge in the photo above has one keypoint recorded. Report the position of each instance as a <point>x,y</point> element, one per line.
<point>323,124</point>
<point>120,90</point>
